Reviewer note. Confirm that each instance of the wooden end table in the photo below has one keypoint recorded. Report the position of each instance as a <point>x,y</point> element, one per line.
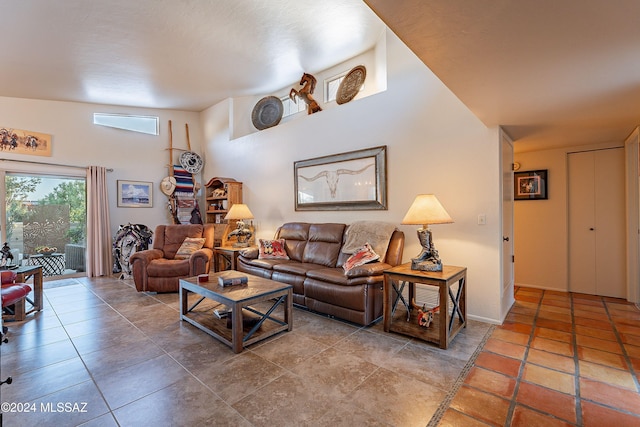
<point>228,255</point>
<point>450,319</point>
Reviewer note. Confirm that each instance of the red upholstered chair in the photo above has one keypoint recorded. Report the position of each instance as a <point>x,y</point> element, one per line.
<point>13,295</point>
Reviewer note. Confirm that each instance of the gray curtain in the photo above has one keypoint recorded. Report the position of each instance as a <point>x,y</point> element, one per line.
<point>99,261</point>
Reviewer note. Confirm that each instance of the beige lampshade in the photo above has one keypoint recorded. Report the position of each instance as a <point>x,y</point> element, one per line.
<point>239,211</point>
<point>426,209</point>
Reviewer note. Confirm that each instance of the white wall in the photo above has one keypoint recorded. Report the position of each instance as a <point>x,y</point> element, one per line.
<point>77,141</point>
<point>540,226</point>
<point>435,145</point>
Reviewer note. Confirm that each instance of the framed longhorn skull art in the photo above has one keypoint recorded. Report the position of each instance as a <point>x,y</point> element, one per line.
<point>356,180</point>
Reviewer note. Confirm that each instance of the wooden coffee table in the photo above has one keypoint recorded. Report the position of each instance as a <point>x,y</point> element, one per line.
<point>241,299</point>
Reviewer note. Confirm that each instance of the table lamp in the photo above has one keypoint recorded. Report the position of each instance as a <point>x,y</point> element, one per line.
<point>240,212</point>
<point>425,210</point>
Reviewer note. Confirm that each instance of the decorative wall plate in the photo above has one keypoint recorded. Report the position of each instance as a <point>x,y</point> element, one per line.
<point>191,161</point>
<point>351,84</point>
<point>267,112</point>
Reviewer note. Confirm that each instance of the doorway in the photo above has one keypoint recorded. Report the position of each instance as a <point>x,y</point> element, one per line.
<point>44,221</point>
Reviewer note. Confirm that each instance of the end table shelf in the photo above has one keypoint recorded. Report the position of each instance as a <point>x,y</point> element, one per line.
<point>450,319</point>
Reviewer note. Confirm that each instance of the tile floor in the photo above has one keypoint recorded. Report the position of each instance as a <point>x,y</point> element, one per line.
<point>134,363</point>
<point>559,359</point>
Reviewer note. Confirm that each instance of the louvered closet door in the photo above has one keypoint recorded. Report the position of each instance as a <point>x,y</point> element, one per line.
<point>597,261</point>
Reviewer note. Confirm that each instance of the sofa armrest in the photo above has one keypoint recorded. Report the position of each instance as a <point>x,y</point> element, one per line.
<point>370,269</point>
<point>250,253</point>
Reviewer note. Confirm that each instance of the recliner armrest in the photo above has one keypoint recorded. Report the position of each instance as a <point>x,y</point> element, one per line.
<point>146,256</point>
<point>370,269</point>
<point>205,253</point>
<point>200,261</point>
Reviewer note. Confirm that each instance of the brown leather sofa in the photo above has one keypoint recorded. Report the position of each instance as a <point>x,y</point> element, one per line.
<point>156,270</point>
<point>315,270</point>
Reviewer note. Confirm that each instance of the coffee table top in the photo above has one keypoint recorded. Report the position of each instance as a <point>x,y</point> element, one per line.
<point>236,293</point>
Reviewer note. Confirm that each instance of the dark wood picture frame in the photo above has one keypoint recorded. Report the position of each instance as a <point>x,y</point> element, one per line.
<point>530,185</point>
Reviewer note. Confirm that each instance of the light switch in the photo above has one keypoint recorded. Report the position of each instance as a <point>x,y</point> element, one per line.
<point>482,219</point>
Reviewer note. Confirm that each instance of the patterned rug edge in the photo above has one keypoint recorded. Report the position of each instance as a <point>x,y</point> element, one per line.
<point>444,405</point>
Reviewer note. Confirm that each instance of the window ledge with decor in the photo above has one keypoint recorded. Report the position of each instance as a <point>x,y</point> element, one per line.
<point>364,75</point>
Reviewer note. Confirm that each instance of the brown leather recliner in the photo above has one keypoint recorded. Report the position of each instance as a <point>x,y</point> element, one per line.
<point>156,270</point>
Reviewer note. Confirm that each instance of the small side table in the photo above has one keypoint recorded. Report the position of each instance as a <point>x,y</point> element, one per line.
<point>226,257</point>
<point>24,273</point>
<point>52,264</point>
<point>452,316</point>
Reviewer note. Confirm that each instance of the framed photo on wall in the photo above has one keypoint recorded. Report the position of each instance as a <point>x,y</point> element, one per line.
<point>347,181</point>
<point>530,185</point>
<point>135,194</point>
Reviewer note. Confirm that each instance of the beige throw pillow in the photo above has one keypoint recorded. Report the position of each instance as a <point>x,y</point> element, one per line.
<point>189,246</point>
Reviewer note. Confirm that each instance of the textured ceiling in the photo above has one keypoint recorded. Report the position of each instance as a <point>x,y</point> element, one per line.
<point>550,72</point>
<point>179,54</point>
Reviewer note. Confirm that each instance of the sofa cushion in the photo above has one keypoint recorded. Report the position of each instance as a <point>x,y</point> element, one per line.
<point>189,246</point>
<point>299,268</point>
<point>163,267</point>
<point>296,235</point>
<point>272,249</point>
<point>352,297</point>
<point>323,247</point>
<point>362,256</point>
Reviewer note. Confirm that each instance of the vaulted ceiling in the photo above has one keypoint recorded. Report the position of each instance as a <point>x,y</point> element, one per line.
<point>550,72</point>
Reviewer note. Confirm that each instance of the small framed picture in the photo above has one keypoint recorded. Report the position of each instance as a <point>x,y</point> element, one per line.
<point>530,185</point>
<point>135,194</point>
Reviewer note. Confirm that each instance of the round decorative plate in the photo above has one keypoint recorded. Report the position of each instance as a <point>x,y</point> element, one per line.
<point>267,112</point>
<point>191,162</point>
<point>351,84</point>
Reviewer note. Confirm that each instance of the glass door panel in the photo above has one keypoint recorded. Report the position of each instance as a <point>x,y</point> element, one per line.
<point>46,221</point>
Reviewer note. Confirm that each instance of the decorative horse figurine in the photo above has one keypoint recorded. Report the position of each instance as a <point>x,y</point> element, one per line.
<point>309,85</point>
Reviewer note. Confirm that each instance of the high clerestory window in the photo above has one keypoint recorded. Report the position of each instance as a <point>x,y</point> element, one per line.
<point>142,124</point>
<point>290,108</point>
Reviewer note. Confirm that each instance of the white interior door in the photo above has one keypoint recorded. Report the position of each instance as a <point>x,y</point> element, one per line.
<point>582,236</point>
<point>507,296</point>
<point>610,224</point>
<point>597,242</point>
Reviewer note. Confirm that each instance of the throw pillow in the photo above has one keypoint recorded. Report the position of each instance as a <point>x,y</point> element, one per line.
<point>362,256</point>
<point>189,246</point>
<point>272,249</point>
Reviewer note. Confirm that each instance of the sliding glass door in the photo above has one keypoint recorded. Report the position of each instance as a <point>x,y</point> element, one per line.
<point>45,221</point>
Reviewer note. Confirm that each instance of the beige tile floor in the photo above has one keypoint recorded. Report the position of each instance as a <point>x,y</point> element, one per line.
<point>118,357</point>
